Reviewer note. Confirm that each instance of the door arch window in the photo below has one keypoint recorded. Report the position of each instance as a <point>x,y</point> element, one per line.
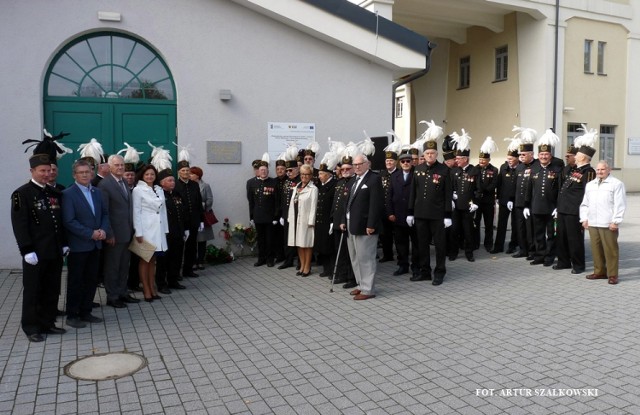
<point>109,65</point>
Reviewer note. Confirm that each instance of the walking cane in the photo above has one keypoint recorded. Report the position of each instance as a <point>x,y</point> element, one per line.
<point>335,267</point>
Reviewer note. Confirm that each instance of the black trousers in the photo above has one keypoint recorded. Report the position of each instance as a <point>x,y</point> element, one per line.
<point>41,285</point>
<point>464,229</point>
<point>501,233</point>
<point>570,242</point>
<point>265,241</point>
<point>280,241</point>
<point>82,282</point>
<point>403,235</point>
<point>133,281</point>
<point>168,265</point>
<point>190,251</point>
<point>485,212</point>
<point>545,237</point>
<point>427,230</point>
<point>386,239</point>
<point>525,231</point>
<point>344,271</point>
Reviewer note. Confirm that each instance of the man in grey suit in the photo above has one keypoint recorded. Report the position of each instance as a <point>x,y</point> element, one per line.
<point>363,220</point>
<point>117,201</point>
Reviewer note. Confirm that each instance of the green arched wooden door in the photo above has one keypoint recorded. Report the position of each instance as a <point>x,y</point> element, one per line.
<point>111,87</point>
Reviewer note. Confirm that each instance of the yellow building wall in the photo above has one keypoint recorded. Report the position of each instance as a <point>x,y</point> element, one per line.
<point>593,98</point>
<point>486,107</point>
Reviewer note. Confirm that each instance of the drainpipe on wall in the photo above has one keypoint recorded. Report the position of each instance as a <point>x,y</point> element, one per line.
<point>555,68</point>
<point>407,79</point>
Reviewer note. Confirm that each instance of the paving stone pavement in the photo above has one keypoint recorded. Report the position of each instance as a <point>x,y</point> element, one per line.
<point>245,340</point>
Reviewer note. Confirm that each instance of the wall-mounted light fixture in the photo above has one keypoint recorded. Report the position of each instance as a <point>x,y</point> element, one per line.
<point>225,95</point>
<point>568,109</point>
<point>109,16</point>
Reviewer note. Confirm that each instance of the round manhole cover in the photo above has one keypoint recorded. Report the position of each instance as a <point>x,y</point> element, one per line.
<point>105,366</point>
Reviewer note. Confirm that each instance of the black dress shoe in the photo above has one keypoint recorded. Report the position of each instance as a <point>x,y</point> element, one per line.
<point>270,263</point>
<point>510,251</point>
<point>470,258</point>
<point>190,275</point>
<point>148,300</point>
<point>129,299</point>
<point>259,263</point>
<point>350,284</point>
<point>76,323</point>
<point>531,257</point>
<point>55,330</point>
<point>177,286</point>
<point>298,273</point>
<point>420,278</point>
<point>401,271</point>
<point>324,274</point>
<point>519,255</point>
<point>385,259</point>
<point>537,262</point>
<point>340,281</point>
<point>90,318</point>
<point>156,297</point>
<point>285,265</point>
<point>495,251</point>
<point>35,338</point>
<point>560,267</point>
<point>305,274</point>
<point>164,290</point>
<point>117,304</point>
<point>547,263</point>
<point>577,271</point>
<point>453,257</point>
<point>437,280</point>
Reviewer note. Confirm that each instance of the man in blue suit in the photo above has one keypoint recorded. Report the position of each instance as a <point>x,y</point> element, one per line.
<point>85,219</point>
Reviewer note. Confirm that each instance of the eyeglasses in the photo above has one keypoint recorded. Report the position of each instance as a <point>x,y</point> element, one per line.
<point>305,174</point>
<point>405,161</point>
<point>346,168</point>
<point>357,164</point>
<point>289,170</point>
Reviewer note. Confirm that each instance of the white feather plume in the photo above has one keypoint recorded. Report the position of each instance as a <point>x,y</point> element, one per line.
<point>160,157</point>
<point>91,149</point>
<point>433,132</point>
<point>526,135</point>
<point>489,146</point>
<point>587,139</point>
<point>183,152</point>
<point>65,150</point>
<point>514,144</point>
<point>336,147</point>
<point>395,145</point>
<point>461,141</point>
<point>313,146</point>
<point>330,159</point>
<point>367,147</point>
<point>266,158</point>
<point>131,155</point>
<point>351,150</point>
<point>280,156</point>
<point>548,138</point>
<point>291,153</point>
<point>47,133</point>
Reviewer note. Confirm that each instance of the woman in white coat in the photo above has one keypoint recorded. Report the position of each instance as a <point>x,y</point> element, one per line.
<point>302,218</point>
<point>150,224</point>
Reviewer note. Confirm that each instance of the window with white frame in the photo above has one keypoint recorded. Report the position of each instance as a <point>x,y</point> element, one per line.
<point>587,55</point>
<point>573,131</point>
<point>601,46</point>
<point>502,63</point>
<point>399,106</point>
<point>607,144</point>
<point>465,72</point>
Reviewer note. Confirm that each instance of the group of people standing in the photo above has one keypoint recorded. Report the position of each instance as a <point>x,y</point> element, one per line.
<point>95,223</point>
<point>418,201</point>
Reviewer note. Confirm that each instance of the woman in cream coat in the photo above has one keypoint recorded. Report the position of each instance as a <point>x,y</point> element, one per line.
<point>150,224</point>
<point>302,218</point>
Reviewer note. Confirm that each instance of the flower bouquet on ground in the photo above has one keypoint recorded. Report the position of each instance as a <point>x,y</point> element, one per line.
<point>238,237</point>
<point>214,255</point>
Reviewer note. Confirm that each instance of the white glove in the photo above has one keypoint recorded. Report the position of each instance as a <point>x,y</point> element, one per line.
<point>31,258</point>
<point>455,195</point>
<point>453,205</point>
<point>201,227</point>
<point>447,222</point>
<point>65,250</point>
<point>554,214</point>
<point>411,220</point>
<point>275,222</point>
<point>510,206</point>
<point>473,207</point>
<point>331,229</point>
<point>186,235</point>
<point>526,213</point>
<point>252,222</point>
<point>282,221</point>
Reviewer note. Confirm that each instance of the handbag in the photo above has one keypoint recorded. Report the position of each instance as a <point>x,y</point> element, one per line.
<point>210,218</point>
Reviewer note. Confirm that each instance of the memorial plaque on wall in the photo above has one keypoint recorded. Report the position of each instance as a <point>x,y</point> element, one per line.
<point>224,152</point>
<point>634,146</point>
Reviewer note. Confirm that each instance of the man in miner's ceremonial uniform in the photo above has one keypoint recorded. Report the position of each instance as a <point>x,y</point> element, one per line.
<point>293,178</point>
<point>344,272</point>
<point>430,208</point>
<point>36,217</point>
<point>391,166</point>
<point>524,225</point>
<point>486,194</point>
<point>264,212</point>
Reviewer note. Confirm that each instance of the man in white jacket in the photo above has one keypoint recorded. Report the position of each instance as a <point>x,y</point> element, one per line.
<point>601,212</point>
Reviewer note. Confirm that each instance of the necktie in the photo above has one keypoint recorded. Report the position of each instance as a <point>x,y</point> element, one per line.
<point>125,192</point>
<point>353,192</point>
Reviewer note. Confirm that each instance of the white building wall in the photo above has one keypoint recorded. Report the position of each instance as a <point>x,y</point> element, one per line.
<point>275,73</point>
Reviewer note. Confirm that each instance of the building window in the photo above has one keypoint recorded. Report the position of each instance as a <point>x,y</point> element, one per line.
<point>587,55</point>
<point>399,105</point>
<point>502,63</point>
<point>607,143</point>
<point>465,72</point>
<point>573,131</point>
<point>601,46</point>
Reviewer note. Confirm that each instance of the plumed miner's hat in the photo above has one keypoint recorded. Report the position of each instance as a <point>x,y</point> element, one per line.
<point>183,156</point>
<point>163,174</point>
<point>265,161</point>
<point>448,151</point>
<point>547,141</point>
<point>160,158</point>
<point>329,162</point>
<point>291,157</point>
<point>91,152</point>
<point>462,143</point>
<point>489,146</point>
<point>513,147</point>
<point>428,139</point>
<point>586,143</point>
<point>131,157</point>
<point>311,150</point>
<point>280,160</point>
<point>526,136</point>
<point>392,151</point>
<point>48,146</point>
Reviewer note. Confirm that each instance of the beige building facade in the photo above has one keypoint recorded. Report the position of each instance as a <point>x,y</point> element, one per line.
<point>537,64</point>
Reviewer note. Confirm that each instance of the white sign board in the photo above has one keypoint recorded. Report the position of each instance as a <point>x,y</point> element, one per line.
<point>634,146</point>
<point>283,134</point>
